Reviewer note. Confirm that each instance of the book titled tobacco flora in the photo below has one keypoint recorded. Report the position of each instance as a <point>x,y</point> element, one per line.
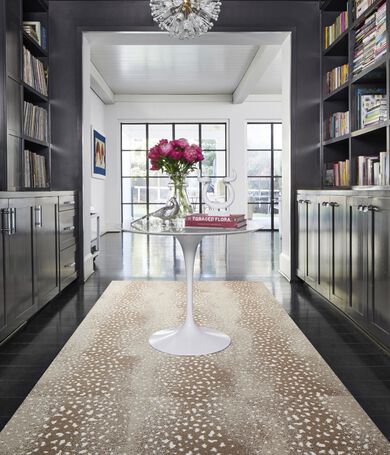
<point>223,221</point>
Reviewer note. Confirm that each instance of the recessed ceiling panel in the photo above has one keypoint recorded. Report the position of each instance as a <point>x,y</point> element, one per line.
<point>172,69</point>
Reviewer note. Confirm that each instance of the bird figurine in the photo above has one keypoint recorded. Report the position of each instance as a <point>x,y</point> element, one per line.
<point>167,213</point>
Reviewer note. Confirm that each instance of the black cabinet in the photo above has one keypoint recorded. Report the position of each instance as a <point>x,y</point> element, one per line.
<point>350,245</point>
<point>46,249</point>
<point>18,262</point>
<point>308,239</point>
<point>369,262</point>
<point>33,268</point>
<point>332,249</point>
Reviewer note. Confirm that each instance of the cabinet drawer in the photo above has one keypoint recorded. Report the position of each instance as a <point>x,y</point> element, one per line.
<point>68,267</point>
<point>67,203</point>
<point>68,228</point>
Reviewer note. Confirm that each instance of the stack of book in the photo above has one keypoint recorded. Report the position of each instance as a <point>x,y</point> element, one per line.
<point>372,106</point>
<point>332,32</point>
<point>35,175</point>
<point>37,31</point>
<point>337,125</point>
<point>223,221</point>
<point>361,6</point>
<point>337,174</point>
<point>380,38</point>
<point>35,122</point>
<point>370,40</point>
<point>34,73</point>
<point>337,77</point>
<point>373,170</point>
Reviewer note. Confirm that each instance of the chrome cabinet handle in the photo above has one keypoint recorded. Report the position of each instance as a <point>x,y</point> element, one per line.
<point>68,266</point>
<point>69,203</point>
<point>334,204</point>
<point>69,228</point>
<point>13,221</point>
<point>301,201</point>
<point>373,208</point>
<point>307,201</point>
<point>6,221</point>
<point>38,216</point>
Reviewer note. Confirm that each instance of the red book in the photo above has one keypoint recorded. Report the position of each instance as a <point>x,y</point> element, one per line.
<point>220,220</point>
<point>224,225</point>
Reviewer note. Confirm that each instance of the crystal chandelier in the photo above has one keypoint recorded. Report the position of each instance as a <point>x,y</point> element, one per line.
<point>185,18</point>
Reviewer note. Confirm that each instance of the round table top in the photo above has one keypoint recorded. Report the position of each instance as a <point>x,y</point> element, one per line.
<point>144,226</point>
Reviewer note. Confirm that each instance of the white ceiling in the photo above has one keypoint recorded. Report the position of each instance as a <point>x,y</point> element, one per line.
<point>154,64</point>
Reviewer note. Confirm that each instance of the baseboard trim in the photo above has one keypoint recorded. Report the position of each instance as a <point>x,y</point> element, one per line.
<point>285,266</point>
<point>88,267</point>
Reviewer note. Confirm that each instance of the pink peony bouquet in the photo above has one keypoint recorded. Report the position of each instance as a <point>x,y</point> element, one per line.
<point>176,158</point>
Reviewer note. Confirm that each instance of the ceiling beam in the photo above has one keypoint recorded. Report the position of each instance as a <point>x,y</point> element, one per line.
<point>100,86</point>
<point>263,58</point>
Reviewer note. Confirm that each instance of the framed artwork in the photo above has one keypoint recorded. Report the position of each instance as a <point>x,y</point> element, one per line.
<point>99,155</point>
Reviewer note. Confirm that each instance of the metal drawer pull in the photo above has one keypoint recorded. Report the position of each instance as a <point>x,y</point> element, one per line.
<point>6,221</point>
<point>307,201</point>
<point>69,228</point>
<point>69,266</point>
<point>325,204</point>
<point>301,201</point>
<point>334,204</point>
<point>38,216</point>
<point>373,208</point>
<point>360,208</point>
<point>13,221</point>
<point>69,203</point>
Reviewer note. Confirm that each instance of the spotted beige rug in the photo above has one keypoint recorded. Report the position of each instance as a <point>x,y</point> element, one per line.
<point>109,393</point>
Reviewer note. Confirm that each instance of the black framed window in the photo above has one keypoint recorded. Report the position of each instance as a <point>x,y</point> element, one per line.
<point>144,191</point>
<point>264,149</point>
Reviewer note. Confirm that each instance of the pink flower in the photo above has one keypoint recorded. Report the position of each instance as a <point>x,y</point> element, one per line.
<point>199,152</point>
<point>182,143</point>
<point>191,154</point>
<point>154,166</point>
<point>166,148</point>
<point>154,153</point>
<point>176,154</point>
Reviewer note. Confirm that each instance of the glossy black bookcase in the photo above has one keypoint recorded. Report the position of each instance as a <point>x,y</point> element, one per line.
<point>367,141</point>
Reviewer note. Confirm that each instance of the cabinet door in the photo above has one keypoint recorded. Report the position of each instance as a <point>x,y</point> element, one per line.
<point>338,252</point>
<point>46,251</point>
<point>324,241</point>
<point>358,244</point>
<point>19,273</point>
<point>312,242</point>
<point>379,268</point>
<point>3,206</point>
<point>302,237</point>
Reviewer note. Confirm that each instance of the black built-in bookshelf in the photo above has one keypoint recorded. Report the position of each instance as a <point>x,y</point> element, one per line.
<point>18,92</point>
<point>368,141</point>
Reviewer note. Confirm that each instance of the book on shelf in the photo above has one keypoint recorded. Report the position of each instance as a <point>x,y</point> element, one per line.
<point>35,175</point>
<point>35,122</point>
<point>338,173</point>
<point>37,31</point>
<point>370,40</point>
<point>34,72</point>
<point>337,125</point>
<point>332,32</point>
<point>337,77</point>
<point>361,6</point>
<point>222,221</point>
<point>371,106</point>
<point>373,170</point>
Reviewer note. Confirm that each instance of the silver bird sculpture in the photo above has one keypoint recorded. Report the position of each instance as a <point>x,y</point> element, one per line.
<point>167,213</point>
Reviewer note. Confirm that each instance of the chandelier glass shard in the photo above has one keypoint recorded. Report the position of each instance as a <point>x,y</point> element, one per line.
<point>185,18</point>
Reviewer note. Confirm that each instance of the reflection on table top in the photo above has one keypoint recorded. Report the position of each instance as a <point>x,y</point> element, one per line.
<point>158,227</point>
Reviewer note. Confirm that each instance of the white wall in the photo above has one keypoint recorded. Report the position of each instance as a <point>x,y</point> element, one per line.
<point>237,116</point>
<point>98,186</point>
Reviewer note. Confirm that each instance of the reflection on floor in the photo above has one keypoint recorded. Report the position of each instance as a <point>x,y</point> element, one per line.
<point>358,362</point>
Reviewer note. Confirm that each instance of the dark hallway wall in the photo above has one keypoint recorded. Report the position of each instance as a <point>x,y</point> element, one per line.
<point>69,18</point>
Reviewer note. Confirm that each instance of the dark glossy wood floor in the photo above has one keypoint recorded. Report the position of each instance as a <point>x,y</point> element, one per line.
<point>358,362</point>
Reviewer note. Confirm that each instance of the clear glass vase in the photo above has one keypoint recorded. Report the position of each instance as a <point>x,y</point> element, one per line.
<point>178,189</point>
